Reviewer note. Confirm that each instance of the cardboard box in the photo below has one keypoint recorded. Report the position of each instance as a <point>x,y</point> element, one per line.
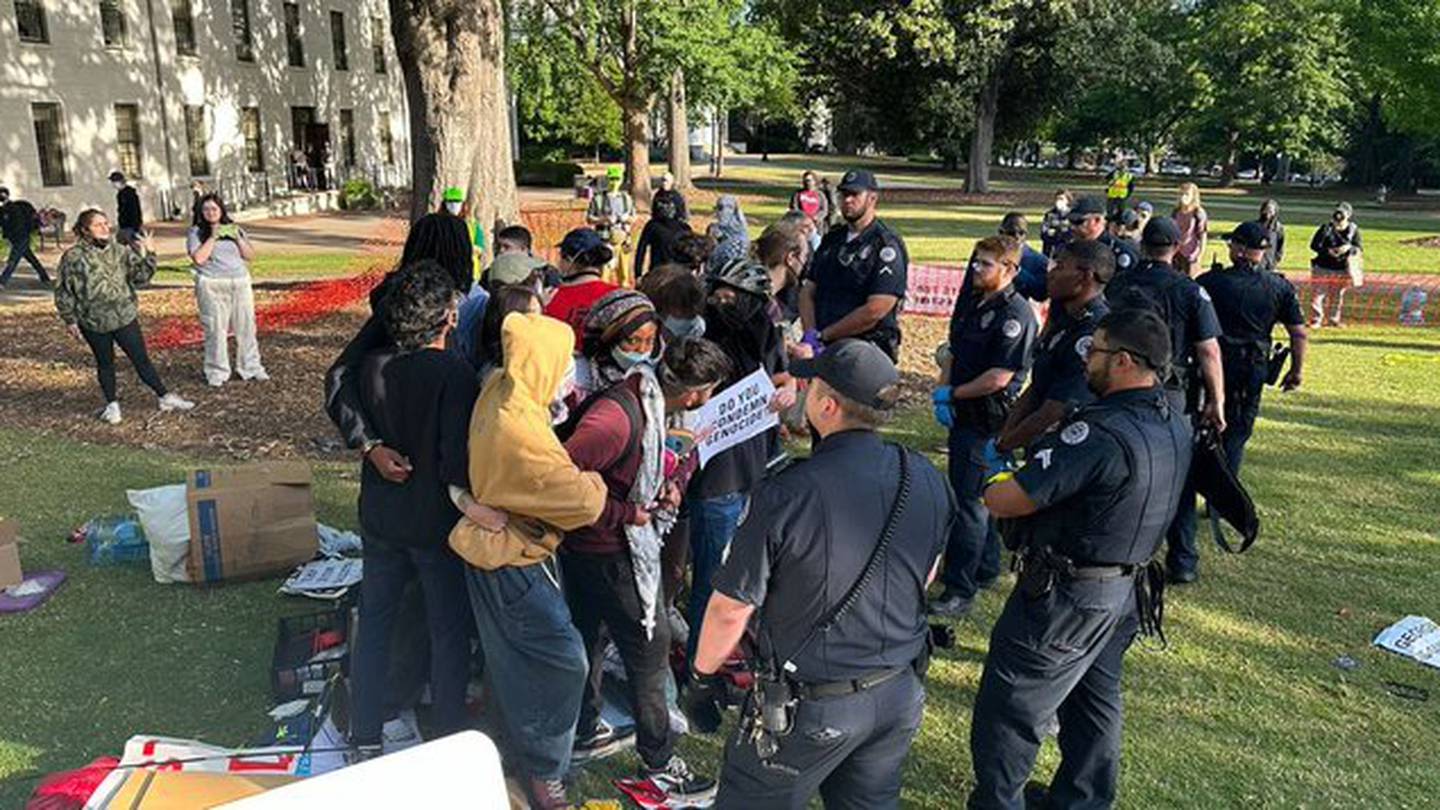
<point>166,790</point>
<point>10,572</point>
<point>249,521</point>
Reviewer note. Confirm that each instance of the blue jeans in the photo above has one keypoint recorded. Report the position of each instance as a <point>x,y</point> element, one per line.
<point>20,249</point>
<point>712,525</point>
<point>972,555</point>
<point>387,570</point>
<point>535,660</point>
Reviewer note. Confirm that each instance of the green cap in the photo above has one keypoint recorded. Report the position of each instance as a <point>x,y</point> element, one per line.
<point>454,194</point>
<point>513,268</point>
<point>615,173</point>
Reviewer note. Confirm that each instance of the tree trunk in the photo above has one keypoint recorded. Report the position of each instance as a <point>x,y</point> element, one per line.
<point>679,126</point>
<point>636,113</point>
<point>722,136</point>
<point>1231,165</point>
<point>982,141</point>
<point>452,56</point>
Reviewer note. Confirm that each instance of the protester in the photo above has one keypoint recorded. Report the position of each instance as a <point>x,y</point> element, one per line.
<point>611,214</point>
<point>1055,227</point>
<point>1269,221</point>
<point>731,233</point>
<point>1033,264</point>
<point>810,201</point>
<point>783,251</point>
<point>670,195</point>
<point>1194,224</point>
<point>583,256</point>
<point>679,299</point>
<point>17,224</point>
<point>221,250</point>
<point>488,354</point>
<point>128,216</point>
<point>452,202</point>
<point>612,568</point>
<point>513,239</point>
<point>693,250</point>
<point>659,236</point>
<point>97,302</point>
<point>508,269</point>
<point>835,217</point>
<point>419,395</point>
<point>531,492</point>
<point>858,277</point>
<point>1335,268</point>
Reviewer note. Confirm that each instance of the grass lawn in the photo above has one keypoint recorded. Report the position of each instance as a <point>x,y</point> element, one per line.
<point>1244,709</point>
<point>281,266</point>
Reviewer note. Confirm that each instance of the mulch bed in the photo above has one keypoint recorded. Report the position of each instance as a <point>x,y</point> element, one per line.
<point>1422,241</point>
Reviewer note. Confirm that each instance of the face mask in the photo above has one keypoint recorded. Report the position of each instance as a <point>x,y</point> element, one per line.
<point>628,360</point>
<point>686,327</point>
<point>117,184</point>
<point>99,243</point>
<point>453,207</point>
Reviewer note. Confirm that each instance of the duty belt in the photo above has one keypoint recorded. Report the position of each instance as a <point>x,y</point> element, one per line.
<point>816,691</point>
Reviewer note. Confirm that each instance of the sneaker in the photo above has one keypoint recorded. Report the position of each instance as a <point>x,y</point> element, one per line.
<point>681,786</point>
<point>547,794</point>
<point>950,605</point>
<point>260,376</point>
<point>400,732</point>
<point>362,753</point>
<point>174,402</point>
<point>605,741</point>
<point>111,413</point>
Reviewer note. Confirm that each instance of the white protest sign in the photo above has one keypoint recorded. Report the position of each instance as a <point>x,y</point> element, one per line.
<point>1413,637</point>
<point>736,414</point>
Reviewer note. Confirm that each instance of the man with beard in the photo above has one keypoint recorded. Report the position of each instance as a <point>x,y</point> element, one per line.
<point>857,279</point>
<point>1088,511</point>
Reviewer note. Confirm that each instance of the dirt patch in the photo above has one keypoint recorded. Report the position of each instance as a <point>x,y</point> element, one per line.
<point>1422,241</point>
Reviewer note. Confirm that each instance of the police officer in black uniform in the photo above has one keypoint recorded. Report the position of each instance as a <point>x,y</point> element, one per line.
<point>1089,509</point>
<point>1196,381</point>
<point>992,333</point>
<point>1087,222</point>
<point>1249,300</point>
<point>1076,286</point>
<point>856,281</point>
<point>838,699</point>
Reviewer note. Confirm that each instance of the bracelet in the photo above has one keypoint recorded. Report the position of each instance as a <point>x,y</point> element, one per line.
<point>368,446</point>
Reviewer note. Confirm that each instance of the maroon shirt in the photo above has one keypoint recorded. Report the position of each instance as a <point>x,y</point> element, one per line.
<point>599,444</point>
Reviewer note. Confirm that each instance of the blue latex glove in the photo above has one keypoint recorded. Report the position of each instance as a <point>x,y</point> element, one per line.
<point>944,413</point>
<point>812,339</point>
<point>995,461</point>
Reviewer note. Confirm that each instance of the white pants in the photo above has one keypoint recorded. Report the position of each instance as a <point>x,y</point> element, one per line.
<point>227,306</point>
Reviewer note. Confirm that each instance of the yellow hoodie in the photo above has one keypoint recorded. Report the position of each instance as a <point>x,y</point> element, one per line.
<point>516,462</point>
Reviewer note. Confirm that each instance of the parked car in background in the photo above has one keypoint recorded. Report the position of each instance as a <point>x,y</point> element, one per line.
<point>1175,168</point>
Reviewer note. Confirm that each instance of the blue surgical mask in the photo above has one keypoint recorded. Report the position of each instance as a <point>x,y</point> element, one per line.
<point>629,360</point>
<point>686,327</point>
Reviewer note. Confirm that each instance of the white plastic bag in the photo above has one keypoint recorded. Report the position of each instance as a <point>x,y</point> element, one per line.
<point>163,516</point>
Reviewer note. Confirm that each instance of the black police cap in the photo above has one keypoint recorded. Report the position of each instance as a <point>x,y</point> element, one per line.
<point>1161,232</point>
<point>1087,206</point>
<point>859,180</point>
<point>1250,236</point>
<point>856,369</point>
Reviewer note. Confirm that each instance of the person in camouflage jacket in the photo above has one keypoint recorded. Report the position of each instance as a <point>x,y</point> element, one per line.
<point>96,300</point>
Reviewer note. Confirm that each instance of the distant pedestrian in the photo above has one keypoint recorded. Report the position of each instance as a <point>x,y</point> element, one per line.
<point>1194,224</point>
<point>731,233</point>
<point>668,192</point>
<point>17,223</point>
<point>222,251</point>
<point>1336,266</point>
<point>659,236</point>
<point>127,203</point>
<point>1274,234</point>
<point>1119,186</point>
<point>810,200</point>
<point>835,217</point>
<point>1055,227</point>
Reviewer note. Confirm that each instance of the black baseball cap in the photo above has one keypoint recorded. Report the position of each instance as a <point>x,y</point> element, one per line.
<point>1250,236</point>
<point>1087,206</point>
<point>859,180</point>
<point>580,240</point>
<point>1161,232</point>
<point>117,177</point>
<point>856,369</point>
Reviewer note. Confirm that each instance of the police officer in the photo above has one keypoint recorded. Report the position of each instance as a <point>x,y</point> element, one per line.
<point>1076,284</point>
<point>1087,222</point>
<point>1033,264</point>
<point>1195,382</point>
<point>843,702</point>
<point>1119,185</point>
<point>855,283</point>
<point>1089,509</point>
<point>992,332</point>
<point>1249,300</point>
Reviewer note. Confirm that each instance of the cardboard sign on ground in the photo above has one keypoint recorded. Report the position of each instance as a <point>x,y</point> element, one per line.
<point>249,521</point>
<point>163,790</point>
<point>10,572</point>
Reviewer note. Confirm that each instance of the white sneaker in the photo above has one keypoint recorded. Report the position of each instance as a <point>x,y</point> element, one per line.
<point>111,414</point>
<point>174,402</point>
<point>259,376</point>
<point>400,732</point>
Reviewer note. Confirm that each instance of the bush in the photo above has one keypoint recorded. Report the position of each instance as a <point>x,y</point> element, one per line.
<point>554,174</point>
<point>358,194</point>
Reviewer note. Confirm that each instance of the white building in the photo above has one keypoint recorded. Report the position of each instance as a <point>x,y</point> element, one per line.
<point>173,90</point>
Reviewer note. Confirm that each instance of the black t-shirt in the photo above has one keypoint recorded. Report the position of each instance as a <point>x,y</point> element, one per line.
<point>1248,302</point>
<point>1344,240</point>
<point>421,403</point>
<point>17,220</point>
<point>998,332</point>
<point>657,243</point>
<point>846,272</point>
<point>1061,352</point>
<point>806,535</point>
<point>128,202</point>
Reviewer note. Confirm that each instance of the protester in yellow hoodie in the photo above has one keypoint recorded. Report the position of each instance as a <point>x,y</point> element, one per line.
<point>534,656</point>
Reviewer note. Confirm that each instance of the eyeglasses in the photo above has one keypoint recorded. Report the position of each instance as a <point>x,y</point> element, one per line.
<point>1122,350</point>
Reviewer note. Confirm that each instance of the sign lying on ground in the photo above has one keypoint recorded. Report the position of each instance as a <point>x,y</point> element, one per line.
<point>736,414</point>
<point>1413,637</point>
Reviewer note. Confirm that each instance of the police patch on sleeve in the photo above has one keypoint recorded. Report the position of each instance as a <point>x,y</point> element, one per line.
<point>1075,433</point>
<point>888,254</point>
<point>1122,259</point>
<point>1011,328</point>
<point>1204,294</point>
<point>1082,346</point>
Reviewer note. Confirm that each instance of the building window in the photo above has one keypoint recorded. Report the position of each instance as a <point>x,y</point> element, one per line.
<point>377,43</point>
<point>127,138</point>
<point>50,144</point>
<point>347,137</point>
<point>254,146</point>
<point>244,37</point>
<point>197,135</point>
<point>293,42</point>
<point>337,40</point>
<point>112,23</point>
<point>387,139</point>
<point>30,21</point>
<point>183,17</point>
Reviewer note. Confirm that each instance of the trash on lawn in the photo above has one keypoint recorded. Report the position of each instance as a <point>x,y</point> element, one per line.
<point>166,520</point>
<point>1413,637</point>
<point>115,540</point>
<point>309,650</point>
<point>129,789</point>
<point>337,542</point>
<point>10,571</point>
<point>327,579</point>
<point>1406,691</point>
<point>250,521</point>
<point>1346,663</point>
<point>33,592</point>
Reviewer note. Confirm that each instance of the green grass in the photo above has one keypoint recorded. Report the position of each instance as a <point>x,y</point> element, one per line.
<point>279,266</point>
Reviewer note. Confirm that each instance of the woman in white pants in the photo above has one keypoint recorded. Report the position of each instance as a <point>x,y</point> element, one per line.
<point>220,251</point>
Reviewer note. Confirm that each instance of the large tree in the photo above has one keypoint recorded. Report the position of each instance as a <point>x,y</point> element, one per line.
<point>452,56</point>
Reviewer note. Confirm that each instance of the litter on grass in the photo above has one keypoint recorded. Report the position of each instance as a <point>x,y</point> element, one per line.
<point>328,579</point>
<point>1414,637</point>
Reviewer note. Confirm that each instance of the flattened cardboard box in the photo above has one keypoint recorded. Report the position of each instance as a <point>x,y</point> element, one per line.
<point>10,572</point>
<point>162,790</point>
<point>249,521</point>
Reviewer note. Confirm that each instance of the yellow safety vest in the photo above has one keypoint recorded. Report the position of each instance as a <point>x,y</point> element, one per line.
<point>1120,186</point>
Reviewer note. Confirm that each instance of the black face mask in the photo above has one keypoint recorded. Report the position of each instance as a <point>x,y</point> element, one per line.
<point>99,243</point>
